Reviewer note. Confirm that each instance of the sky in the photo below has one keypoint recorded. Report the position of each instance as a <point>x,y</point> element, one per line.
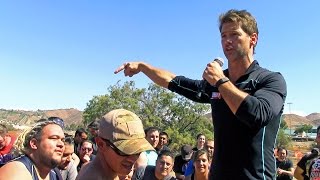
<point>60,54</point>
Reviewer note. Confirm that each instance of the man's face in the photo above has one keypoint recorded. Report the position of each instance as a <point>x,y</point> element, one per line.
<point>123,164</point>
<point>67,156</point>
<point>163,140</point>
<point>85,150</point>
<point>94,132</point>
<point>210,147</point>
<point>282,155</point>
<point>164,166</point>
<point>153,138</point>
<point>2,141</point>
<point>50,147</point>
<point>80,137</point>
<point>235,42</point>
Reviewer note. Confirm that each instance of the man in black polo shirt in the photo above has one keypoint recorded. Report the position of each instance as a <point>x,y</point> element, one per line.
<point>247,101</point>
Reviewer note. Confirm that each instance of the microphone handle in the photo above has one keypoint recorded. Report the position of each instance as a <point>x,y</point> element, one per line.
<point>206,83</point>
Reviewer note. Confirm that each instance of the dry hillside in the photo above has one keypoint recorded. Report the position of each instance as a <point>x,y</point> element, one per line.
<point>21,117</point>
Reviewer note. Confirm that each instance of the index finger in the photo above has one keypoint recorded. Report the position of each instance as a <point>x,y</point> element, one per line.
<point>120,68</point>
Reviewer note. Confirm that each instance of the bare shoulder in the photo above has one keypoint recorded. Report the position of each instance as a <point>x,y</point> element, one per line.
<point>14,170</point>
<point>94,171</point>
<point>87,172</point>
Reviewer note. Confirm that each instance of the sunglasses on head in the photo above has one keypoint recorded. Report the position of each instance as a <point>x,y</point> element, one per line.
<point>114,148</point>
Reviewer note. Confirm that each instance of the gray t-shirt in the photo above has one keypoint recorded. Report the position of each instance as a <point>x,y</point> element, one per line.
<point>70,173</point>
<point>148,173</point>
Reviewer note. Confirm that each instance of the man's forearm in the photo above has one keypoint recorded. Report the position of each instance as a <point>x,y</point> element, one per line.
<point>157,75</point>
<point>232,95</point>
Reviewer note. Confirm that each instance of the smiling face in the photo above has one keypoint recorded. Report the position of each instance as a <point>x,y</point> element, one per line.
<point>200,141</point>
<point>282,154</point>
<point>164,166</point>
<point>153,138</point>
<point>201,164</point>
<point>50,147</point>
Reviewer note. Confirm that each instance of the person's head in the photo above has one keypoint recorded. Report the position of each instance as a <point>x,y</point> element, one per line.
<point>86,148</point>
<point>239,33</point>
<point>3,134</point>
<point>282,153</point>
<point>201,139</point>
<point>201,161</point>
<point>80,135</point>
<point>209,146</point>
<point>186,152</point>
<point>94,128</point>
<point>164,164</point>
<point>163,139</point>
<point>152,136</point>
<point>43,143</point>
<point>67,153</point>
<point>121,137</point>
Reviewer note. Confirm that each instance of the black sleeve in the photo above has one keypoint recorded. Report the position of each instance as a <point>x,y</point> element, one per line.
<point>302,164</point>
<point>195,90</point>
<point>266,103</point>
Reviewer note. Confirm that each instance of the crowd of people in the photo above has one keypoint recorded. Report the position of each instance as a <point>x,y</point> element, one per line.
<point>246,100</point>
<point>124,150</point>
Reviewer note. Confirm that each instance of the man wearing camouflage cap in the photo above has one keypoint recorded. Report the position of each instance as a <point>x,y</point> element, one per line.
<point>120,141</point>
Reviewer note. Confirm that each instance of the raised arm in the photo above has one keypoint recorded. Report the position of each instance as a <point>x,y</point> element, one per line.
<point>157,75</point>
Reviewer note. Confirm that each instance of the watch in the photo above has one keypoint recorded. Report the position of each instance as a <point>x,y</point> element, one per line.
<point>221,81</point>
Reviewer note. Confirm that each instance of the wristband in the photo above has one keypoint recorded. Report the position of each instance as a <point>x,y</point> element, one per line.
<point>221,81</point>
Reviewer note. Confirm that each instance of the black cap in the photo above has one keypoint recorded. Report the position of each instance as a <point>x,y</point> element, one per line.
<point>186,152</point>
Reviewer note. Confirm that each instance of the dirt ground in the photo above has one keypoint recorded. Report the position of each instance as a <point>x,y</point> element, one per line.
<point>298,149</point>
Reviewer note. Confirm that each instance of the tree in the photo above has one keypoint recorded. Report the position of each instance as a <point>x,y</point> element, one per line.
<point>283,140</point>
<point>303,128</point>
<point>181,118</point>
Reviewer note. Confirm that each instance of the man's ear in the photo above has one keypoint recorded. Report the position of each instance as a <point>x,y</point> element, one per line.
<point>33,143</point>
<point>254,39</point>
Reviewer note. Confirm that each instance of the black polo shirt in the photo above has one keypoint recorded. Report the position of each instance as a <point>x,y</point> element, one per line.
<point>244,141</point>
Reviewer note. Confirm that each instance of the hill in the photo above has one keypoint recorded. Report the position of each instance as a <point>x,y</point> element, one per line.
<point>21,117</point>
<point>74,116</point>
<point>294,120</point>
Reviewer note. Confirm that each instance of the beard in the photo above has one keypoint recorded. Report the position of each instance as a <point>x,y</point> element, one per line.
<point>241,53</point>
<point>49,161</point>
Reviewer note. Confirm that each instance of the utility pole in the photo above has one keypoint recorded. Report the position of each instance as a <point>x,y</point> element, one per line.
<point>289,104</point>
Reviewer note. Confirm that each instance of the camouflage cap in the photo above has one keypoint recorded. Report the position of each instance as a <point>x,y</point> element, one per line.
<point>125,130</point>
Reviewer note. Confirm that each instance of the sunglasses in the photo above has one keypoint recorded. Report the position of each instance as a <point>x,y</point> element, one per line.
<point>84,149</point>
<point>114,148</point>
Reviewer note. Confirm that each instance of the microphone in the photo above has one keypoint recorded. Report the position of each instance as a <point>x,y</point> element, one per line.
<point>205,84</point>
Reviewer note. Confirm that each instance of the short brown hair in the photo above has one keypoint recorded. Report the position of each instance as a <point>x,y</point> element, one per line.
<point>243,18</point>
